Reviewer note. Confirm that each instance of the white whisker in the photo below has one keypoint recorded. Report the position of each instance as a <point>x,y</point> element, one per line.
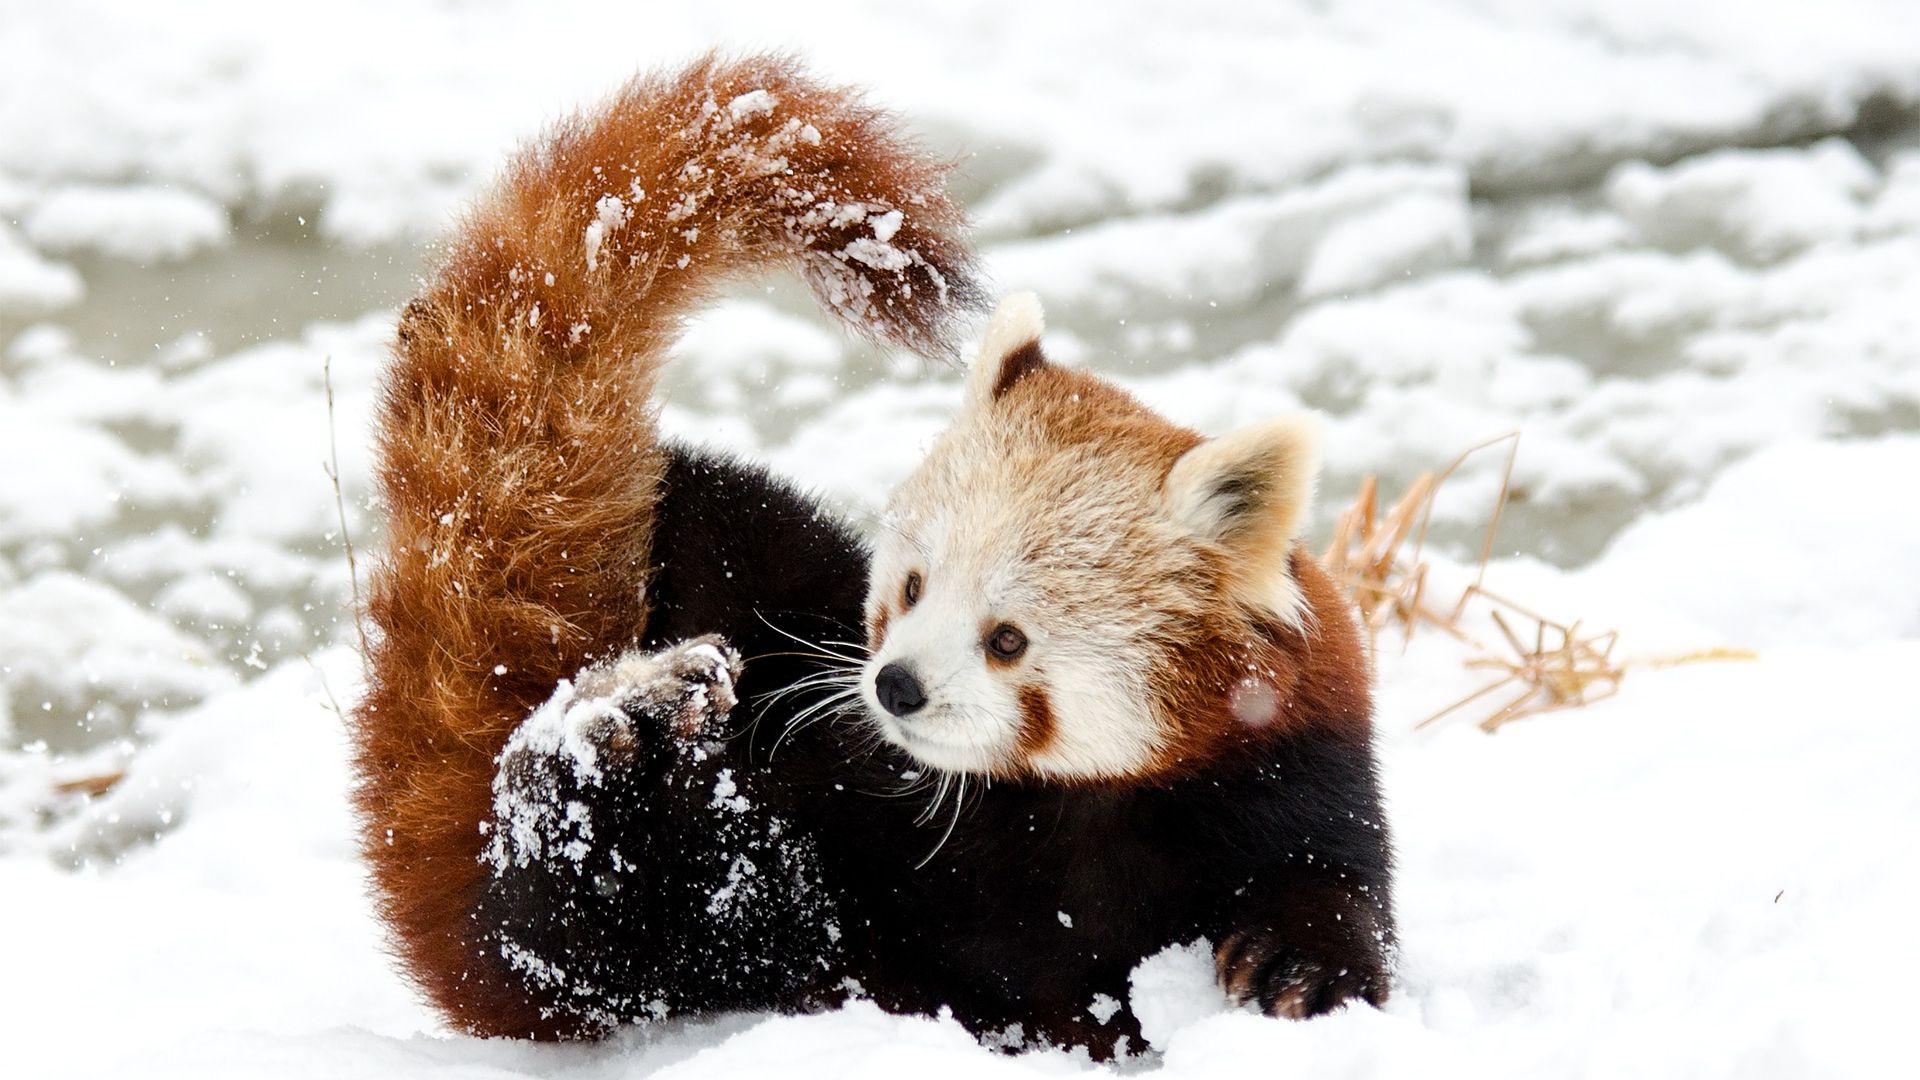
<point>817,646</point>
<point>959,806</point>
<point>831,706</point>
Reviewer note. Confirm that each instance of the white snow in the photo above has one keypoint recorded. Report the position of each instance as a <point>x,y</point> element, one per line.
<point>1764,204</point>
<point>84,649</point>
<point>726,794</point>
<point>610,213</point>
<point>28,280</point>
<point>144,224</point>
<point>1172,990</point>
<point>1405,235</point>
<point>752,103</point>
<point>741,888</point>
<point>1653,238</point>
<point>1800,542</point>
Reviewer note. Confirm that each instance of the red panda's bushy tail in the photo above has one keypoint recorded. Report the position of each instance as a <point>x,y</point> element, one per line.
<point>518,456</point>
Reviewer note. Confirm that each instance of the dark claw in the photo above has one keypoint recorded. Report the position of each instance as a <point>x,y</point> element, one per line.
<point>1286,981</point>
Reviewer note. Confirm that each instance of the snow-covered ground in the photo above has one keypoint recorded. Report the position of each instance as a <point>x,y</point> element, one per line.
<point>1677,246</point>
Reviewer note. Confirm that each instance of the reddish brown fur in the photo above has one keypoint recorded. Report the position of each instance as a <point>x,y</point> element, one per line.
<point>1038,730</point>
<point>1077,407</point>
<point>518,454</point>
<point>1318,676</point>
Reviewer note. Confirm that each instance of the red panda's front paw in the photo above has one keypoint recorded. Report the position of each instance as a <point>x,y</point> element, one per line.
<point>606,729</point>
<point>1290,981</point>
<point>635,706</point>
<point>687,688</point>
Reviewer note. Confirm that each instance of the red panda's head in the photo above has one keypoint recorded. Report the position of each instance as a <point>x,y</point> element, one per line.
<point>1072,587</point>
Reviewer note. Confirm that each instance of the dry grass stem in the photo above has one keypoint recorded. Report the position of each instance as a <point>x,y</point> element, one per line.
<point>91,786</point>
<point>1542,668</point>
<point>332,469</point>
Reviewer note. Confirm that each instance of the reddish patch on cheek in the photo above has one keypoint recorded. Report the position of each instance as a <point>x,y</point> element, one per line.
<point>877,628</point>
<point>1037,728</point>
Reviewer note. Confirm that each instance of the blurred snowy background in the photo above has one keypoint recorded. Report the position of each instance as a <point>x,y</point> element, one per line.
<point>1676,245</point>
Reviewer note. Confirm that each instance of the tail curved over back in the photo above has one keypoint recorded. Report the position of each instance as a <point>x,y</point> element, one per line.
<point>518,456</point>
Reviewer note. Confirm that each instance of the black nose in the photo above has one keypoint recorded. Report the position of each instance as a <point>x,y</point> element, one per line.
<point>899,692</point>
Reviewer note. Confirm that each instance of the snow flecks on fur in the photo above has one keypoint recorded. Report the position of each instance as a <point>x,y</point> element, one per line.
<point>836,274</point>
<point>532,820</point>
<point>726,794</point>
<point>878,259</point>
<point>741,887</point>
<point>751,103</point>
<point>610,213</point>
<point>580,997</point>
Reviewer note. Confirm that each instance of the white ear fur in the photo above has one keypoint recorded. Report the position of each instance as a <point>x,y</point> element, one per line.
<point>1017,322</point>
<point>1250,492</point>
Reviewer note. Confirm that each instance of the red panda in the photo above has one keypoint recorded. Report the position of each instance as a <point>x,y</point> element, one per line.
<point>621,756</point>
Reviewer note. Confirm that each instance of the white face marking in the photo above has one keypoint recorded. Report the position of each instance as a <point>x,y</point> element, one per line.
<point>971,721</point>
<point>975,578</point>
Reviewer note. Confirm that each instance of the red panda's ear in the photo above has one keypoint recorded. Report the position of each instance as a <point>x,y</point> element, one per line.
<point>1250,493</point>
<point>1010,351</point>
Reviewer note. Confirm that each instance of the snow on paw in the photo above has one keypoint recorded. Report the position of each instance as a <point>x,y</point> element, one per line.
<point>686,688</point>
<point>548,761</point>
<point>593,730</point>
<point>1254,966</point>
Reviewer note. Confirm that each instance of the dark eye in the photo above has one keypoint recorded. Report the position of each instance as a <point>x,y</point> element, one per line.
<point>1006,643</point>
<point>911,594</point>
